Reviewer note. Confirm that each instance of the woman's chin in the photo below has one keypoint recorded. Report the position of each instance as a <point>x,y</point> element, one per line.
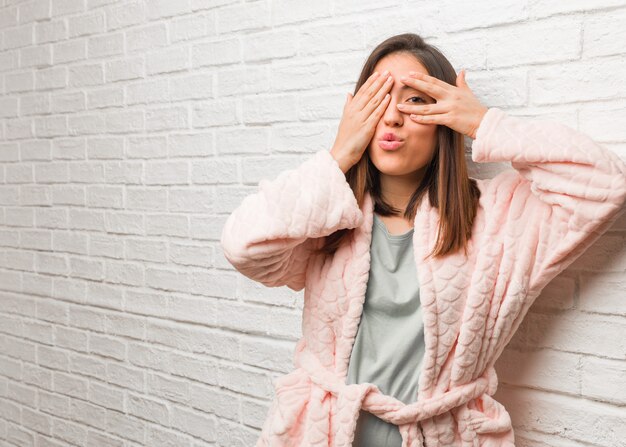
<point>389,166</point>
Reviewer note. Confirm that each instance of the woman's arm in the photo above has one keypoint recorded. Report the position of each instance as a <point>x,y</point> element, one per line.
<point>569,188</point>
<point>270,235</point>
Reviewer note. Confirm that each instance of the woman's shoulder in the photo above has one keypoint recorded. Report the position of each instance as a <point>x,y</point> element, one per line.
<point>498,187</point>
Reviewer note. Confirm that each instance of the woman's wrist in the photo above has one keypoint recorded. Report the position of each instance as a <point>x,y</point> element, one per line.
<point>344,164</point>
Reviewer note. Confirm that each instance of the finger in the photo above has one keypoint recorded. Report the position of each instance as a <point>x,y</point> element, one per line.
<point>370,93</point>
<point>433,90</point>
<point>428,78</point>
<point>441,118</point>
<point>375,117</point>
<point>365,87</point>
<point>421,109</point>
<point>379,95</point>
<point>460,80</point>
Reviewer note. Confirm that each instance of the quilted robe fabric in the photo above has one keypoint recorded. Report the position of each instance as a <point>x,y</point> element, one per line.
<point>533,221</point>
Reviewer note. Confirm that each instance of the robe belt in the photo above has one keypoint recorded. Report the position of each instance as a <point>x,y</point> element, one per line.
<point>392,410</point>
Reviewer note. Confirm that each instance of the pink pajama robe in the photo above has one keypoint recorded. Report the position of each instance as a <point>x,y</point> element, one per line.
<point>533,221</point>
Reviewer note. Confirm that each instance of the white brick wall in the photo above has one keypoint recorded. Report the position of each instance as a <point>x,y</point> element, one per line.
<point>130,129</point>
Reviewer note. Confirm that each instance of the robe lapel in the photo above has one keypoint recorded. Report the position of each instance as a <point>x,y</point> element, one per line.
<point>443,290</point>
<point>442,282</point>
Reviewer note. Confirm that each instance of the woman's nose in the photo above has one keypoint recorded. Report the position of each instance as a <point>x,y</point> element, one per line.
<point>392,113</point>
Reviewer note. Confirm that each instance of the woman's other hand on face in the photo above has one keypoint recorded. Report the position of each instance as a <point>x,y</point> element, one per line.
<point>456,106</point>
<point>361,114</point>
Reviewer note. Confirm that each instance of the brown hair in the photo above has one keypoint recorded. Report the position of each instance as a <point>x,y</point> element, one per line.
<point>445,182</point>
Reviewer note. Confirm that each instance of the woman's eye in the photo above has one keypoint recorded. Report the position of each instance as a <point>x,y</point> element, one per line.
<point>418,97</point>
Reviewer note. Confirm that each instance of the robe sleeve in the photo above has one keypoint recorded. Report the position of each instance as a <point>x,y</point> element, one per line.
<point>269,236</point>
<point>568,189</point>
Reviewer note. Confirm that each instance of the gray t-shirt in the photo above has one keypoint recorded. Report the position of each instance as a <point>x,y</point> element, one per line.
<point>389,345</point>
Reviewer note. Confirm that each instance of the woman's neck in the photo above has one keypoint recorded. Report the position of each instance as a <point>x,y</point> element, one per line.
<point>398,189</point>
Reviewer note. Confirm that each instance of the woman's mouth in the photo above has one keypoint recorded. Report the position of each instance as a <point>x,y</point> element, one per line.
<point>389,145</point>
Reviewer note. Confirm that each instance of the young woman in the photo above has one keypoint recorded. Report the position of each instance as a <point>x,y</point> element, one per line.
<point>415,275</point>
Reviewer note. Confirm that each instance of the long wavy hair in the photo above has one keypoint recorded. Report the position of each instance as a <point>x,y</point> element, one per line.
<point>446,182</point>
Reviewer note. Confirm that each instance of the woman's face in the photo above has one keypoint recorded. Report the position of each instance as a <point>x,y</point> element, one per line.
<point>418,141</point>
